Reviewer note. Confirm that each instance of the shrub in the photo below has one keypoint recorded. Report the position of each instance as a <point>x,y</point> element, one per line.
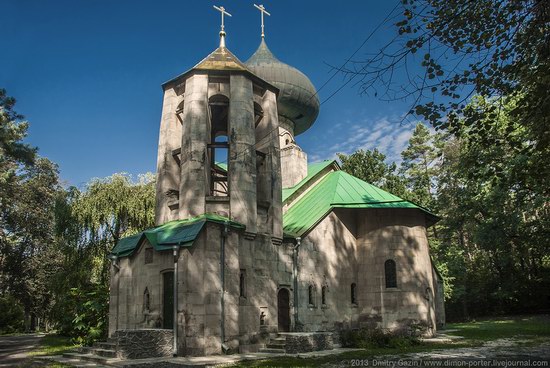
<point>372,338</point>
<point>83,314</point>
<point>12,318</point>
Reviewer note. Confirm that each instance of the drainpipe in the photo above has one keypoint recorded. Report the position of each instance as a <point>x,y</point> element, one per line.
<point>114,260</point>
<point>224,233</point>
<point>175,327</point>
<point>295,278</point>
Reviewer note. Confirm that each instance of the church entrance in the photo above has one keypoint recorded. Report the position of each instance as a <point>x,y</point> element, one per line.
<point>168,300</point>
<point>283,310</point>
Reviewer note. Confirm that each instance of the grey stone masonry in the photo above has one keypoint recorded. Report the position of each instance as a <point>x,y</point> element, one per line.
<point>306,342</point>
<point>144,343</point>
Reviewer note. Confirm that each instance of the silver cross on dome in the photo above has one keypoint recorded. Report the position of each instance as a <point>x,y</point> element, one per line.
<point>221,9</point>
<point>262,10</point>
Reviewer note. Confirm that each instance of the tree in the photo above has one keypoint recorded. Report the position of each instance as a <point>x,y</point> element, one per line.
<point>371,167</point>
<point>12,132</point>
<point>109,209</point>
<point>419,165</point>
<point>450,50</point>
<point>495,219</point>
<point>28,223</point>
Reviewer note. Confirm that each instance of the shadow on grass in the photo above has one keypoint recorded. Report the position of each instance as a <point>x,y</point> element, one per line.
<point>525,328</point>
<point>53,345</point>
<point>474,334</point>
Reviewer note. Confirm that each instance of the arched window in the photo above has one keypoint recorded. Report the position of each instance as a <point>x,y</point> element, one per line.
<point>324,295</point>
<point>219,146</point>
<point>146,301</point>
<point>311,295</point>
<point>354,293</point>
<point>390,273</point>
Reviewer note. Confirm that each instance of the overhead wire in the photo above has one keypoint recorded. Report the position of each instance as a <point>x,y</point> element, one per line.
<point>336,71</point>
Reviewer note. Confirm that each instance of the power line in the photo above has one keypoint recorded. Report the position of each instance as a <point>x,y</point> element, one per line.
<point>364,42</point>
<point>336,71</point>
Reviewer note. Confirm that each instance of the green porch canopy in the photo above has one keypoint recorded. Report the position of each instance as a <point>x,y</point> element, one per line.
<point>179,232</point>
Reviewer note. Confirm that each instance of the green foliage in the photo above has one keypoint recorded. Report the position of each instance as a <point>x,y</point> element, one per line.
<point>372,338</point>
<point>418,165</point>
<point>109,209</point>
<point>465,48</point>
<point>53,345</point>
<point>371,167</point>
<point>12,131</point>
<point>491,245</point>
<point>524,327</point>
<point>54,241</point>
<point>90,310</point>
<point>12,318</point>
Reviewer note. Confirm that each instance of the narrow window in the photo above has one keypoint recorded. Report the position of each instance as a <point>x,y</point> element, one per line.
<point>219,146</point>
<point>324,295</point>
<point>354,293</point>
<point>242,284</point>
<point>390,273</point>
<point>148,255</point>
<point>311,295</point>
<point>146,301</point>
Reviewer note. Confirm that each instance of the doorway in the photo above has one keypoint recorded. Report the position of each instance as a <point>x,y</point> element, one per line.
<point>168,300</point>
<point>283,310</point>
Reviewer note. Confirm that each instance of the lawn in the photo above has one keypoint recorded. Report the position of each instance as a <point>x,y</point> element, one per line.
<point>50,345</point>
<point>524,328</point>
<point>53,345</point>
<point>528,329</point>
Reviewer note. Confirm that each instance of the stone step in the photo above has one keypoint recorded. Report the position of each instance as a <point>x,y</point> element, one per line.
<point>88,357</point>
<point>279,340</point>
<point>70,361</point>
<point>105,345</point>
<point>272,351</point>
<point>107,353</point>
<point>272,345</point>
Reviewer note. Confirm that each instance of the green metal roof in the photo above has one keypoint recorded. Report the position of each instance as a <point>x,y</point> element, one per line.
<point>312,171</point>
<point>338,189</point>
<point>164,237</point>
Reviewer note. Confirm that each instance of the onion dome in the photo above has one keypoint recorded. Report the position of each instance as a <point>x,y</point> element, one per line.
<point>297,100</point>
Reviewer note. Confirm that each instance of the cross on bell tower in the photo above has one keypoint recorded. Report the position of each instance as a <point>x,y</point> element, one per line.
<point>262,10</point>
<point>222,11</point>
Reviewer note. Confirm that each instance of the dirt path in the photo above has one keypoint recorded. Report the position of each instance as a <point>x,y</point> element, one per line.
<point>14,349</point>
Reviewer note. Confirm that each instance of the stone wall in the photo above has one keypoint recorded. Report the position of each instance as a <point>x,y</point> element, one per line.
<point>146,343</point>
<point>327,259</point>
<point>399,235</point>
<point>306,342</point>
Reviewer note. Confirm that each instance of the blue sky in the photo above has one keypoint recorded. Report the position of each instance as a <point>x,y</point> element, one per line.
<point>87,74</point>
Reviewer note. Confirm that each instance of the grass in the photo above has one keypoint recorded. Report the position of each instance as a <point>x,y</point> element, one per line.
<point>337,359</point>
<point>531,330</point>
<point>50,345</point>
<point>524,328</point>
<point>53,345</point>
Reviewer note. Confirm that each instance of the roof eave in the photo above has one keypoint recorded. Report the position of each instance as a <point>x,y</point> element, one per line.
<point>248,73</point>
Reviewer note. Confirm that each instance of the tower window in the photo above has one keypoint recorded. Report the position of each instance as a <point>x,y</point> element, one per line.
<point>324,295</point>
<point>242,284</point>
<point>311,295</point>
<point>354,293</point>
<point>390,273</point>
<point>219,146</point>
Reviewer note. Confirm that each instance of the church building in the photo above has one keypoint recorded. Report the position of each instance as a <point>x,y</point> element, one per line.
<point>251,240</point>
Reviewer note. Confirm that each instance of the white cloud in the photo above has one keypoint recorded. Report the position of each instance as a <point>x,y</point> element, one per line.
<point>389,137</point>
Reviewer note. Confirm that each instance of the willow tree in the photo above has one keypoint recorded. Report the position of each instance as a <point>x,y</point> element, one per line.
<point>110,208</point>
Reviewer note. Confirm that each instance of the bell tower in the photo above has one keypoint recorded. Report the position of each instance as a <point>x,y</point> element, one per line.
<point>219,145</point>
